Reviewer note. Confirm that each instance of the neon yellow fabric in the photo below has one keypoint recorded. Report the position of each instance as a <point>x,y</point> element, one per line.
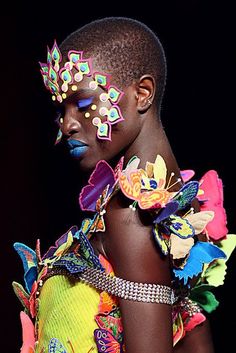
<point>66,311</point>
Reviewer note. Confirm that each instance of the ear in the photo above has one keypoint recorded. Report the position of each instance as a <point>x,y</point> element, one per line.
<point>145,92</point>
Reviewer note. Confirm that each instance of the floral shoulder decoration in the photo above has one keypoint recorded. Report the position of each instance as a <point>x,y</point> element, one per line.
<point>176,229</point>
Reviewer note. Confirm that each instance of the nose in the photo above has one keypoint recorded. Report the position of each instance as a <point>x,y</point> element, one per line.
<point>70,124</point>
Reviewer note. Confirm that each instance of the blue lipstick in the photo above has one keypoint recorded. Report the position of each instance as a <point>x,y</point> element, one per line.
<point>77,148</point>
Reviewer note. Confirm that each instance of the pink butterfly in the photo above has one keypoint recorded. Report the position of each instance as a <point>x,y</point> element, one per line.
<point>102,177</point>
<point>212,199</point>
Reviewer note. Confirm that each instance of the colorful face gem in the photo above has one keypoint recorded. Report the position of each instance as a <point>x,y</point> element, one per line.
<point>103,129</point>
<point>94,107</point>
<point>57,79</point>
<point>102,79</point>
<point>84,66</point>
<point>103,97</point>
<point>103,111</point>
<point>55,56</point>
<point>67,79</point>
<point>114,115</point>
<point>78,77</point>
<point>61,97</point>
<point>87,115</point>
<point>59,137</point>
<point>114,94</point>
<point>52,74</point>
<point>93,85</point>
<point>73,57</point>
<point>74,88</point>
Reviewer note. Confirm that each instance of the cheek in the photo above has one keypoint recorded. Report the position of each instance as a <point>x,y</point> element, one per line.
<point>131,126</point>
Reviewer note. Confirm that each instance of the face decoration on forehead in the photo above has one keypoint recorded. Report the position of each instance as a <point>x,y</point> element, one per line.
<point>59,79</point>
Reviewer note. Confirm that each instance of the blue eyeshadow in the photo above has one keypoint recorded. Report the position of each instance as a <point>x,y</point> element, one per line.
<point>82,103</point>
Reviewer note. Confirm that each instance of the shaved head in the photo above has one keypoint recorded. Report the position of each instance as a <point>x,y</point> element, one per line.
<point>123,47</point>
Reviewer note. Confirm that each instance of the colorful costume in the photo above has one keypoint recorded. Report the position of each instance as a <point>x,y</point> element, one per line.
<point>65,314</point>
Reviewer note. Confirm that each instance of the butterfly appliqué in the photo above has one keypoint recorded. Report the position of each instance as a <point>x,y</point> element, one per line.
<point>106,342</point>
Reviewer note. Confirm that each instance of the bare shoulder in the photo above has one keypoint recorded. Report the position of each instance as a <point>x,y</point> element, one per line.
<point>134,256</point>
<point>130,245</point>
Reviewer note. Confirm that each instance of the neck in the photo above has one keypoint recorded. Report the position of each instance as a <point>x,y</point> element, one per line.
<point>151,141</point>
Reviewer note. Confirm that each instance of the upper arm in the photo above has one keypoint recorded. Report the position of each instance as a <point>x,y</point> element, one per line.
<point>134,256</point>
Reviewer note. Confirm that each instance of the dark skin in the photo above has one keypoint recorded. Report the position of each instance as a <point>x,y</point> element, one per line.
<point>128,243</point>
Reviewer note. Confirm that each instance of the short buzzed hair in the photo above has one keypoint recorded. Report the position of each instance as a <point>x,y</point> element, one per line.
<point>123,47</point>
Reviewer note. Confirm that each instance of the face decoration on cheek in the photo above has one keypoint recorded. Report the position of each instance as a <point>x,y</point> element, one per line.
<point>60,79</point>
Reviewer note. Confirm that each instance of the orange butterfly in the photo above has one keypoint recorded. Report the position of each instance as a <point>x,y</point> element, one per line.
<point>147,187</point>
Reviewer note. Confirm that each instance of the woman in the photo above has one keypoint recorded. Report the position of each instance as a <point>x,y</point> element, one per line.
<point>146,248</point>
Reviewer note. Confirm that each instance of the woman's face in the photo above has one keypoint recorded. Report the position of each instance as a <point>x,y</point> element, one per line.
<point>78,126</point>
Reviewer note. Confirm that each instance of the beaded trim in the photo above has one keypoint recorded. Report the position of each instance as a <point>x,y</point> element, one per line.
<point>141,292</point>
<point>191,307</point>
<point>119,287</point>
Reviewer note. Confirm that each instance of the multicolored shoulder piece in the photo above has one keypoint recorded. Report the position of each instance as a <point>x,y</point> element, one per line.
<point>177,230</point>
<point>175,225</point>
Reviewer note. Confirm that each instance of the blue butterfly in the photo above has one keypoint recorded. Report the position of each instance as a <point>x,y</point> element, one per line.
<point>183,198</point>
<point>186,194</point>
<point>86,250</point>
<point>200,254</point>
<point>72,262</point>
<point>29,259</point>
<point>77,262</point>
<point>167,222</point>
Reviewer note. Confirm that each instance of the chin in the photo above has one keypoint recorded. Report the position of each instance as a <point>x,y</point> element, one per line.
<point>85,165</point>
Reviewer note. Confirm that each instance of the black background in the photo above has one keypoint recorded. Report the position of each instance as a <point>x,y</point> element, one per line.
<point>39,186</point>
